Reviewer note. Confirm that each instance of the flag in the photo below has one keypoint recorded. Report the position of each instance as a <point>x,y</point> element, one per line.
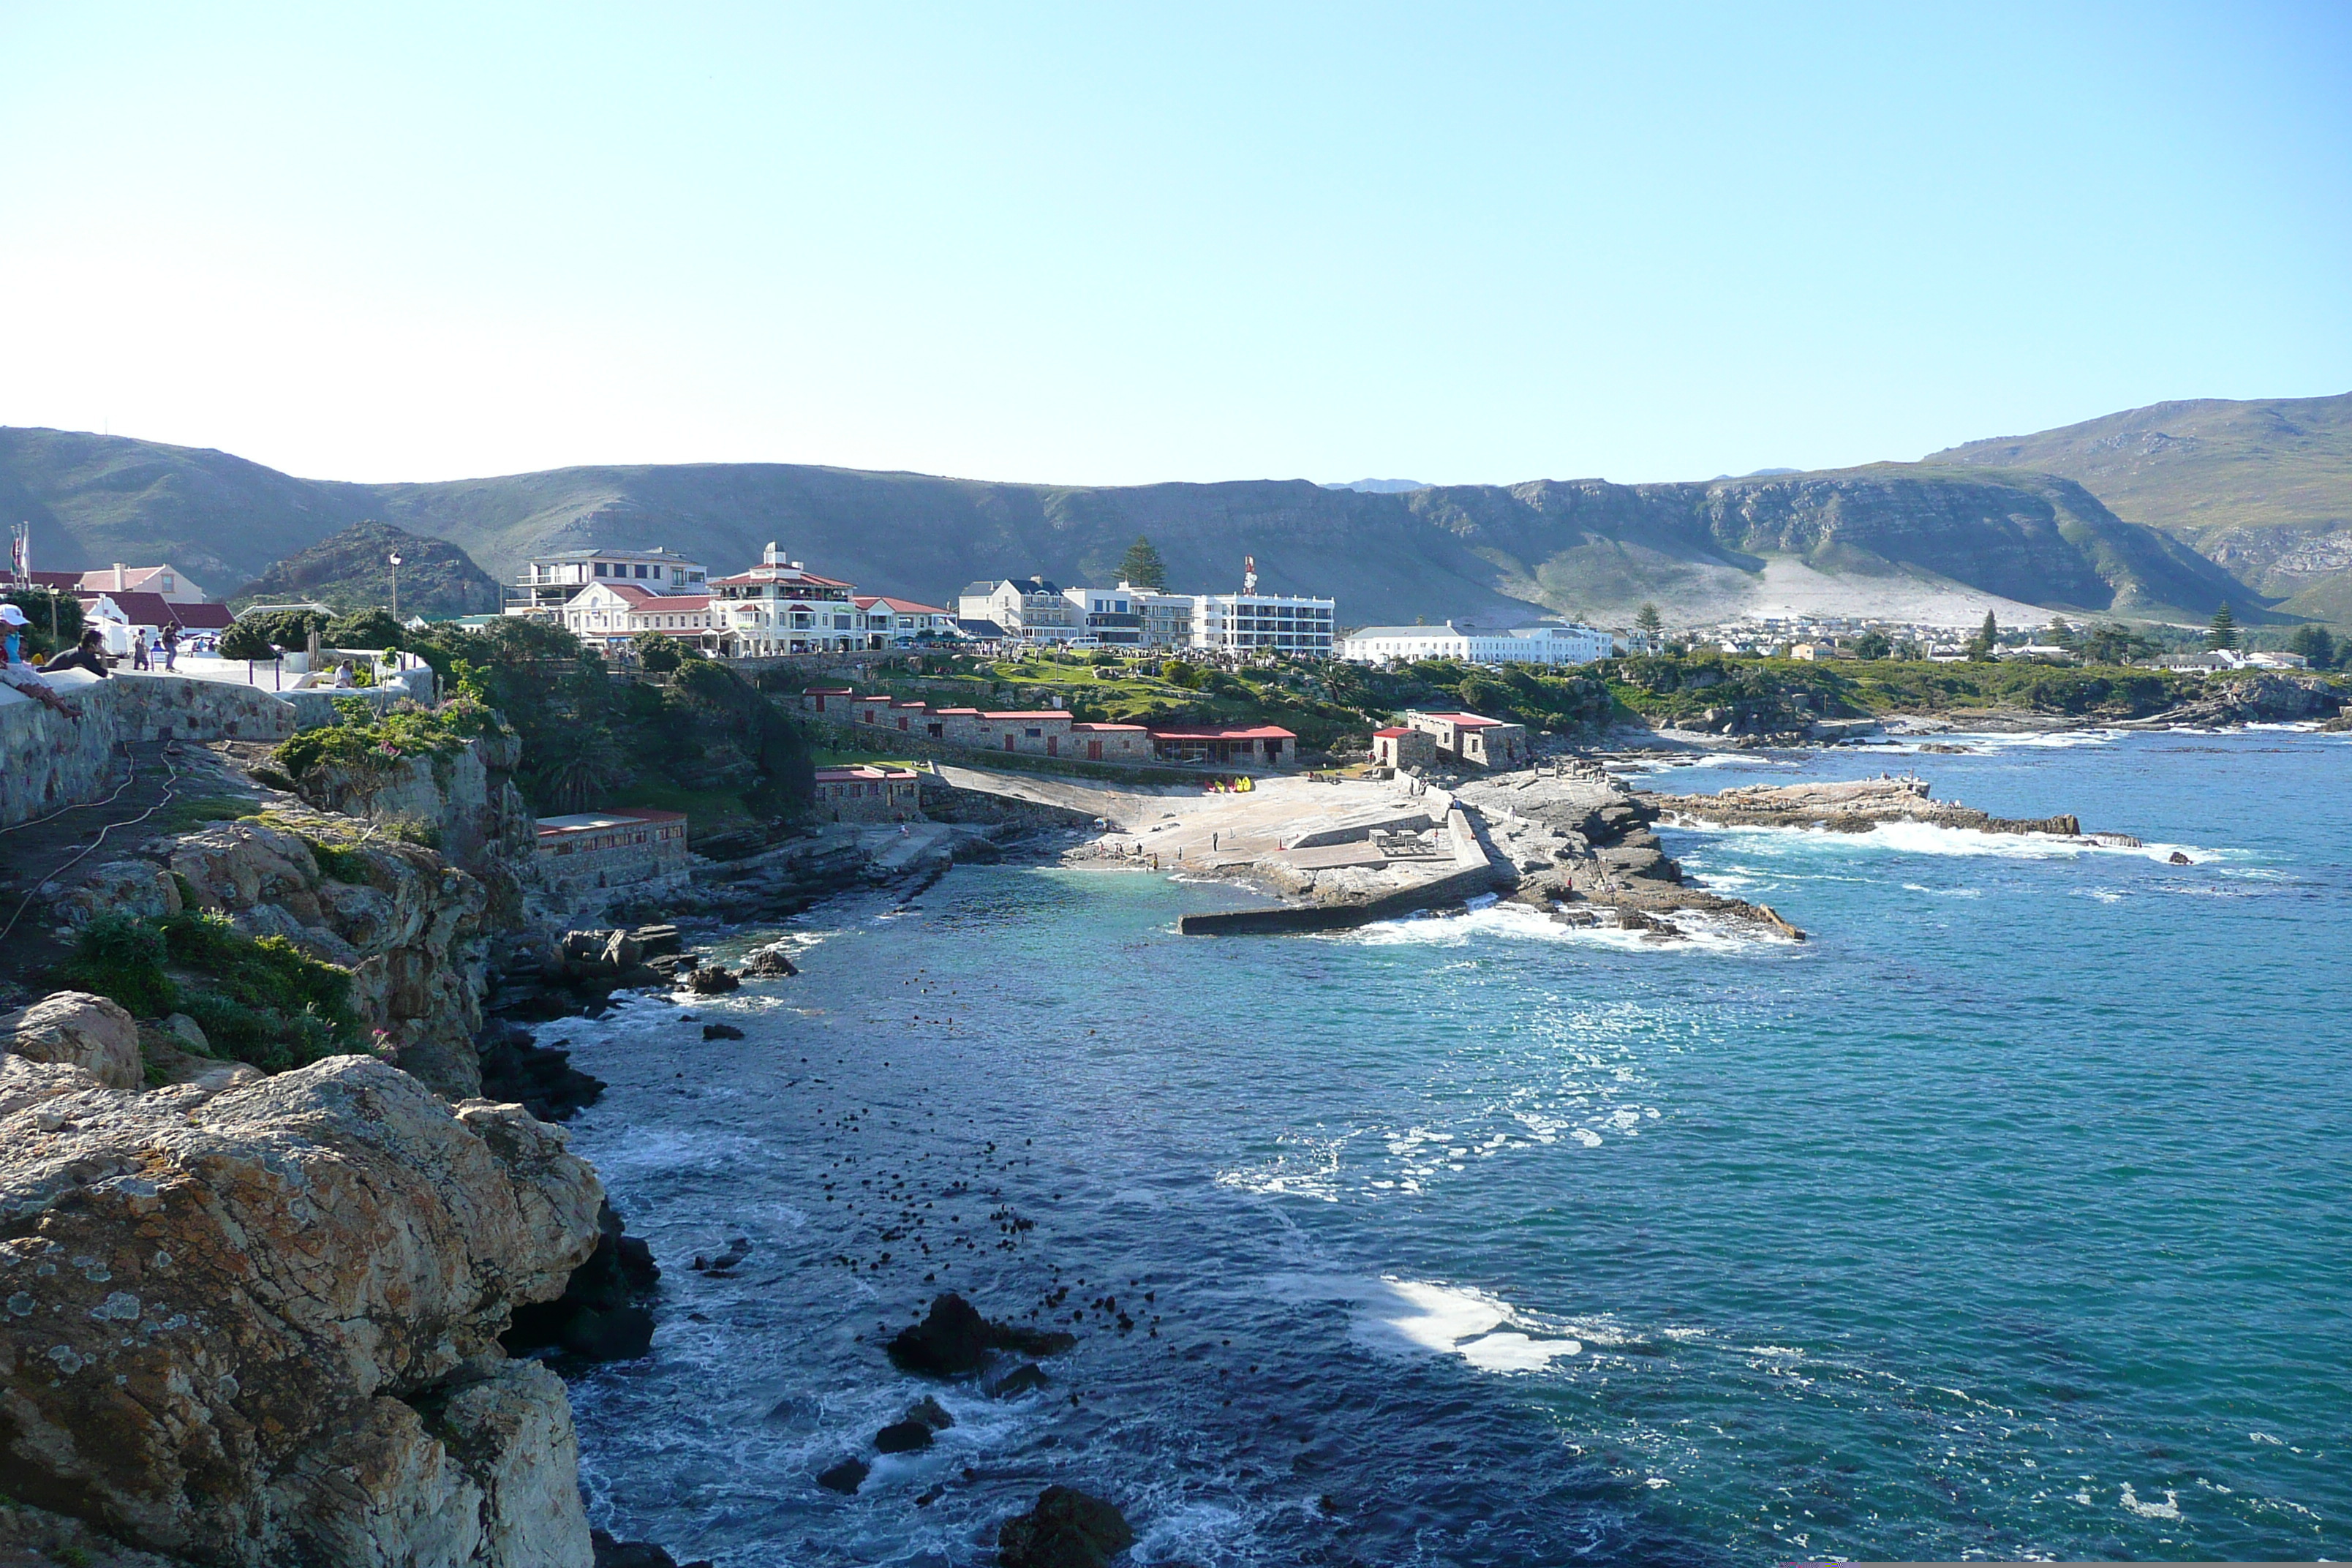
<point>20,553</point>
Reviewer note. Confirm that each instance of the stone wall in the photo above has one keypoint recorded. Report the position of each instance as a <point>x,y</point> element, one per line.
<point>47,761</point>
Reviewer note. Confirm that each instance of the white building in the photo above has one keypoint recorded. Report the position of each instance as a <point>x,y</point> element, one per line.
<point>1241,624</point>
<point>1030,609</point>
<point>547,583</point>
<point>166,582</point>
<point>1114,616</point>
<point>780,607</point>
<point>1166,617</point>
<point>889,622</point>
<point>612,613</point>
<point>1544,644</point>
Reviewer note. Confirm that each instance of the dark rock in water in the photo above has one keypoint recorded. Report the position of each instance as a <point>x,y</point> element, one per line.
<point>845,1476</point>
<point>903,1437</point>
<point>930,1413</point>
<point>770,962</point>
<point>721,1032</point>
<point>1067,1529</point>
<point>710,979</point>
<point>955,1340</point>
<point>540,1078</point>
<point>738,1248</point>
<point>1018,1382</point>
<point>624,1333</point>
<point>2178,859</point>
<point>599,1316</point>
<point>611,1554</point>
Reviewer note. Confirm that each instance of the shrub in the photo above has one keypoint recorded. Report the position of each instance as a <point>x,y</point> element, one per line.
<point>363,628</point>
<point>248,641</point>
<point>656,653</point>
<point>118,956</point>
<point>258,1000</point>
<point>37,606</point>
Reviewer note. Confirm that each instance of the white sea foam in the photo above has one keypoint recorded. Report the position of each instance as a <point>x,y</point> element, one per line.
<point>1418,1317</point>
<point>2169,1509</point>
<point>1930,838</point>
<point>1519,922</point>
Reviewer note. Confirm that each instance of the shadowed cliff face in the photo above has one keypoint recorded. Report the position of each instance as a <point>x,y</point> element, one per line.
<point>1485,552</point>
<point>260,1325</point>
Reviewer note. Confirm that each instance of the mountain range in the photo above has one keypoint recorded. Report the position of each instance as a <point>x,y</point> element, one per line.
<point>2167,530</point>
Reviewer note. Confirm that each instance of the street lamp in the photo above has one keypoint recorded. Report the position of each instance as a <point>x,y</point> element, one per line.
<point>395,558</point>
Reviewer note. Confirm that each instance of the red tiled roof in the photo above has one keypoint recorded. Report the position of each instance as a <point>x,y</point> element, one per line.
<point>1391,734</point>
<point>629,591</point>
<point>1465,721</point>
<point>67,580</point>
<point>900,606</point>
<point>142,609</point>
<point>1025,717</point>
<point>1098,728</point>
<point>784,577</point>
<point>204,617</point>
<point>673,604</point>
<point>1255,733</point>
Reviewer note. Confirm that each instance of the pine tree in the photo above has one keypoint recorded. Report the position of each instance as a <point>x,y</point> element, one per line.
<point>2061,633</point>
<point>1988,638</point>
<point>2223,632</point>
<point>1648,620</point>
<point>1143,568</point>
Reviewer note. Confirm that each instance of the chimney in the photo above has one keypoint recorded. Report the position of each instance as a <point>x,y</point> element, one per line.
<point>119,584</point>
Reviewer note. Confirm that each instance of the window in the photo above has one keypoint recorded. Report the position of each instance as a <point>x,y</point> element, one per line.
<point>600,569</point>
<point>657,573</point>
<point>641,570</point>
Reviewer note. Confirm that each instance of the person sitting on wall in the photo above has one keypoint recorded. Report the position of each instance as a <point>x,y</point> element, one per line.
<point>15,672</point>
<point>343,676</point>
<point>88,653</point>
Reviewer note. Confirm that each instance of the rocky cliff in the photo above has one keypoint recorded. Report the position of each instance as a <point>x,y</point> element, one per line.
<point>260,1326</point>
<point>404,922</point>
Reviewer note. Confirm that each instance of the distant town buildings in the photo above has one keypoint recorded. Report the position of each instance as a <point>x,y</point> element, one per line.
<point>1543,643</point>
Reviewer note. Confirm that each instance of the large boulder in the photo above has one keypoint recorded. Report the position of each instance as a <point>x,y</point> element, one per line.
<point>261,1326</point>
<point>81,1030</point>
<point>1067,1529</point>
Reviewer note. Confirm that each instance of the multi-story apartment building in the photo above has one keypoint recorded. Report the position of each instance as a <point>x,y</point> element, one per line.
<point>779,607</point>
<point>1241,624</point>
<point>1029,610</point>
<point>548,583</point>
<point>1166,617</point>
<point>1112,617</point>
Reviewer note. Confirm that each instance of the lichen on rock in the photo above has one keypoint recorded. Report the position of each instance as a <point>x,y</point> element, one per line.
<point>260,1325</point>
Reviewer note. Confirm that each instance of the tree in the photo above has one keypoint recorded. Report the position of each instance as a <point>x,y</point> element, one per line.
<point>2315,644</point>
<point>246,641</point>
<point>1648,620</point>
<point>2108,643</point>
<point>2061,633</point>
<point>2223,630</point>
<point>1988,638</point>
<point>363,628</point>
<point>656,654</point>
<point>1143,567</point>
<point>1872,644</point>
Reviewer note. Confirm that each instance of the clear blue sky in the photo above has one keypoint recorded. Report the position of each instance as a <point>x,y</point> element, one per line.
<point>1110,244</point>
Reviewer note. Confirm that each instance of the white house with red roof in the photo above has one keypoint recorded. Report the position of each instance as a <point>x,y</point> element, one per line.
<point>166,582</point>
<point>610,614</point>
<point>780,607</point>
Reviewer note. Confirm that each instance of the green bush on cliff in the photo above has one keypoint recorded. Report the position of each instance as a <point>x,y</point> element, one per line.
<point>258,999</point>
<point>362,741</point>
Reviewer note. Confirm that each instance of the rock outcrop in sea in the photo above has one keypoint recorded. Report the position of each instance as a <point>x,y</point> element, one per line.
<point>260,1325</point>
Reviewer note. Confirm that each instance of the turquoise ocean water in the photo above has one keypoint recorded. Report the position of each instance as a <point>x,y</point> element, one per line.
<point>2005,1217</point>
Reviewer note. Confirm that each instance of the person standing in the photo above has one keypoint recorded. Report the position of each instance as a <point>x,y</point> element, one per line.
<point>171,645</point>
<point>139,647</point>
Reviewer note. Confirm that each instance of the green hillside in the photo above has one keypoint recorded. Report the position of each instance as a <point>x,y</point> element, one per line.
<point>2263,487</point>
<point>1938,543</point>
<point>352,570</point>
